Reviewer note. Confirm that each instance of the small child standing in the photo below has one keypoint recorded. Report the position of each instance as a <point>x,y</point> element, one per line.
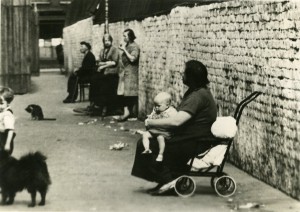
<point>7,120</point>
<point>162,109</point>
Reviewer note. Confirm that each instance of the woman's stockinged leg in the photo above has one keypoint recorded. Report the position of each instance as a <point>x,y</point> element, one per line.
<point>123,102</point>
<point>129,102</point>
<point>125,115</point>
<point>126,112</point>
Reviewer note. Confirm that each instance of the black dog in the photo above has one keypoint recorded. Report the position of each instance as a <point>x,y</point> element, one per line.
<point>29,172</point>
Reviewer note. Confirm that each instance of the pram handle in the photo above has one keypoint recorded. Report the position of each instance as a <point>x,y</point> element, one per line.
<point>228,141</point>
<point>243,104</point>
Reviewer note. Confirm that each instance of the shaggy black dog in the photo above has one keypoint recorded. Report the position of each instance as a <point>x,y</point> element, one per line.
<point>29,172</point>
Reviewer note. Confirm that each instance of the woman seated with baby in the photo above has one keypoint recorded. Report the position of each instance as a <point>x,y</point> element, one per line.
<point>196,114</point>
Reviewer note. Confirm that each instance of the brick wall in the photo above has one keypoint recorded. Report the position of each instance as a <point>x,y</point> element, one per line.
<point>247,46</point>
<point>73,35</point>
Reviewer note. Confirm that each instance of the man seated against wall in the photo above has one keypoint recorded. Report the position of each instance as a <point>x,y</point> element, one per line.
<point>82,74</point>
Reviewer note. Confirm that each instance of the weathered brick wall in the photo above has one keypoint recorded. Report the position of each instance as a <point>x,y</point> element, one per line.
<point>73,35</point>
<point>246,46</point>
<point>251,46</point>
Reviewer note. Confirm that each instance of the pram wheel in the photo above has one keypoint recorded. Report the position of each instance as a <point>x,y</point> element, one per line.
<point>185,186</point>
<point>213,180</point>
<point>225,186</point>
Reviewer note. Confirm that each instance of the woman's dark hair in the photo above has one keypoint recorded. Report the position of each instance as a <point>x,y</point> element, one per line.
<point>131,34</point>
<point>196,74</point>
<point>109,37</point>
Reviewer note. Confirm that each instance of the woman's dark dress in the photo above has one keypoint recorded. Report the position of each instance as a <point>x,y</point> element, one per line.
<point>104,84</point>
<point>199,103</point>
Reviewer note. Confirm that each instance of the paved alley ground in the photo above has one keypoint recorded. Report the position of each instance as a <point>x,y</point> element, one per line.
<point>87,176</point>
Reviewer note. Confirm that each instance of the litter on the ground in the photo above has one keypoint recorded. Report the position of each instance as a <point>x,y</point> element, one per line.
<point>112,122</point>
<point>132,119</point>
<point>118,146</point>
<point>92,121</point>
<point>249,205</point>
<point>124,129</point>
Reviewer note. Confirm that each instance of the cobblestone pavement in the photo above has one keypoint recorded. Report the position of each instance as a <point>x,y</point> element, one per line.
<point>87,176</point>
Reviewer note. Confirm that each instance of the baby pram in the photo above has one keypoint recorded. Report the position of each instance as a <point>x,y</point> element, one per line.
<point>222,183</point>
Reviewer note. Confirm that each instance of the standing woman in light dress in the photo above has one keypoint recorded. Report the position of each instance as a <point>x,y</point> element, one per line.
<point>130,71</point>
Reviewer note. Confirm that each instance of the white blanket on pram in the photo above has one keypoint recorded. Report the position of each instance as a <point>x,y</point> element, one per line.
<point>213,157</point>
<point>224,127</point>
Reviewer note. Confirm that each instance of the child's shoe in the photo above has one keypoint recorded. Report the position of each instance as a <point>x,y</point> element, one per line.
<point>160,157</point>
<point>147,151</point>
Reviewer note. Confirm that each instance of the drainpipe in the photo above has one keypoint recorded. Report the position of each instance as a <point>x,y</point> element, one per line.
<point>106,18</point>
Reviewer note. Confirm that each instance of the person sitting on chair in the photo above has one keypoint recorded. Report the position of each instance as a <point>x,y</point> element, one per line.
<point>196,114</point>
<point>104,83</point>
<point>82,74</point>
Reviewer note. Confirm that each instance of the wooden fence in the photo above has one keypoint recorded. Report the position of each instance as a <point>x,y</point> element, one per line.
<point>19,44</point>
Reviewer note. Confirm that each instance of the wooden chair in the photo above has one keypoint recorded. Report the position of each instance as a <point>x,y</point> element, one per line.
<point>82,87</point>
